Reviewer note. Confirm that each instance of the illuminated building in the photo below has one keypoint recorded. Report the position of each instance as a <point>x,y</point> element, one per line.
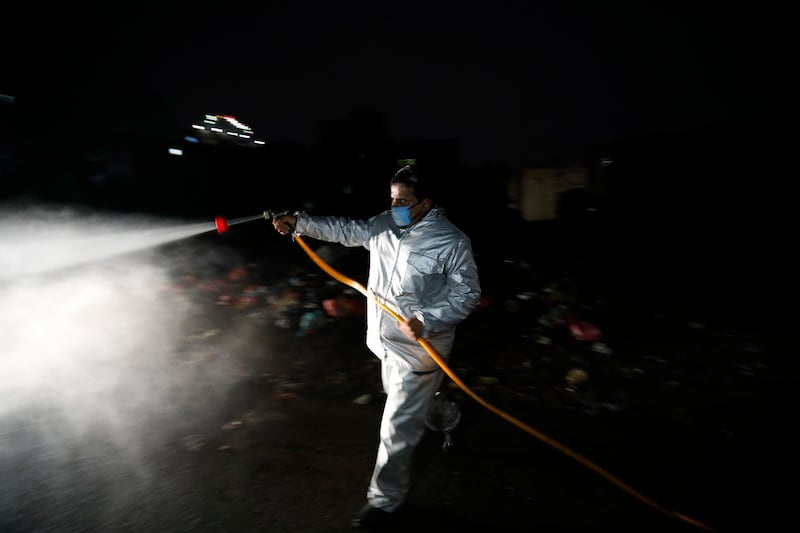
<point>217,129</point>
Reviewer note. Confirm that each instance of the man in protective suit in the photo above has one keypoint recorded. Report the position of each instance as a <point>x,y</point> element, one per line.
<point>422,266</point>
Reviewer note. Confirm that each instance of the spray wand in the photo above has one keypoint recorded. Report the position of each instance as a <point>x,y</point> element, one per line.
<point>223,224</point>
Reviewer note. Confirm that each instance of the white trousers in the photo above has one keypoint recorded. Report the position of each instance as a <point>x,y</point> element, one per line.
<point>408,399</point>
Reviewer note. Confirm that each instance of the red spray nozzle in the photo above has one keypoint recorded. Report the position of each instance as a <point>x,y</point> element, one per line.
<point>221,223</point>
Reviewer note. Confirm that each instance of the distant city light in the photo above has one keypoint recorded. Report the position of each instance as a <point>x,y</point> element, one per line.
<point>230,126</point>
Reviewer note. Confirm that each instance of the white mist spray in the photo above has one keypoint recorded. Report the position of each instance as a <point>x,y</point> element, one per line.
<point>91,369</point>
<point>42,240</point>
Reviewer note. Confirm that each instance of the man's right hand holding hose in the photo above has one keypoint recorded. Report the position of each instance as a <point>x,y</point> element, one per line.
<point>284,224</point>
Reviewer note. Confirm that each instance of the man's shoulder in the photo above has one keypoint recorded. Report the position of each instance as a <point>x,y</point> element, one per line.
<point>444,224</point>
<point>443,236</point>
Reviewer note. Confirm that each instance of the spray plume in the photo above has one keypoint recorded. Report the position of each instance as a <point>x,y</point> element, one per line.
<point>93,354</point>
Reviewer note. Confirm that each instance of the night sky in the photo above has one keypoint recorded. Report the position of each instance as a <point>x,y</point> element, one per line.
<point>513,82</point>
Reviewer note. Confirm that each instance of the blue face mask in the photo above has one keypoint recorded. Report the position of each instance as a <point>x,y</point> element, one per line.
<point>402,215</point>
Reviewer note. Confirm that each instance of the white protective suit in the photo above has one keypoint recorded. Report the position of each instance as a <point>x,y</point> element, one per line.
<point>426,270</point>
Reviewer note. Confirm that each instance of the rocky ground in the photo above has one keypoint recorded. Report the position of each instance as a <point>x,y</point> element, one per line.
<point>691,407</point>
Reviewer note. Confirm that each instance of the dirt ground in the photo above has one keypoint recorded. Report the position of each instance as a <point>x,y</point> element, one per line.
<point>690,408</point>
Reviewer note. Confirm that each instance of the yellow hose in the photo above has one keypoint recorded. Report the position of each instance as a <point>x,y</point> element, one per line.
<point>523,426</point>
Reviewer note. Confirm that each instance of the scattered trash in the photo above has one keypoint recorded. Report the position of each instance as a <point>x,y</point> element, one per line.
<point>555,328</point>
<point>602,348</point>
<point>364,399</point>
<point>206,334</point>
<point>582,330</point>
<point>576,376</point>
<point>283,322</point>
<point>284,395</point>
<point>234,424</point>
<point>444,416</point>
<point>347,304</point>
<point>194,442</point>
<point>556,316</point>
<point>311,321</point>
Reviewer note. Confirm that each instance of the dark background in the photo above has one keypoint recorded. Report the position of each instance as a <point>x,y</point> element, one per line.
<point>515,83</point>
<point>692,103</point>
